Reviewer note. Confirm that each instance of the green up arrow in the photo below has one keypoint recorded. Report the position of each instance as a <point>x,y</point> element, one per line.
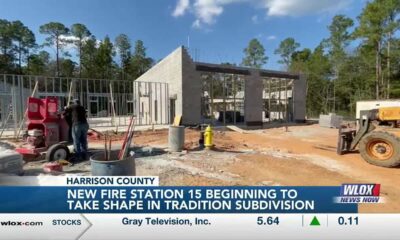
<point>315,222</point>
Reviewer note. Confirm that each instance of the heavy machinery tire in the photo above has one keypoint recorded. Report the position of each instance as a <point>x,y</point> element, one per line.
<point>380,149</point>
<point>57,152</point>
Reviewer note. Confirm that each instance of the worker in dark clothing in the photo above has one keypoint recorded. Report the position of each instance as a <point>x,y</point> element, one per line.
<point>68,119</point>
<point>80,128</point>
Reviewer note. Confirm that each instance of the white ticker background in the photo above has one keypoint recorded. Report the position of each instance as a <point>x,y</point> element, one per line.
<point>219,226</point>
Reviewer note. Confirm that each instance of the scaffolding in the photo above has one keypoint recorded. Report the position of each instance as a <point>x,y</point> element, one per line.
<point>108,102</point>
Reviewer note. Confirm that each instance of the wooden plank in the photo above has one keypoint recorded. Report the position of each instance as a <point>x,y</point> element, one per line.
<point>177,120</point>
<point>236,129</point>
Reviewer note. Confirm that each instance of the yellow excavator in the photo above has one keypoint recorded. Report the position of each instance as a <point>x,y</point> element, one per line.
<point>377,137</point>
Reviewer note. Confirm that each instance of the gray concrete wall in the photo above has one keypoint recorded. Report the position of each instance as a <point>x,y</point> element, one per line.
<point>192,90</point>
<point>253,103</point>
<point>299,99</point>
<point>179,71</point>
<point>169,70</point>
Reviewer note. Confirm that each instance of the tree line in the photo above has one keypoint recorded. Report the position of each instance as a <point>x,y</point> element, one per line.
<point>21,54</point>
<point>359,60</point>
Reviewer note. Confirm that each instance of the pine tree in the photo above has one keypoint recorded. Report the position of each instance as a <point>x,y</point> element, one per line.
<point>254,55</point>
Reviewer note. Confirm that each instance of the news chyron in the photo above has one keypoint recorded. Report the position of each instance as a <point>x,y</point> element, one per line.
<point>119,207</point>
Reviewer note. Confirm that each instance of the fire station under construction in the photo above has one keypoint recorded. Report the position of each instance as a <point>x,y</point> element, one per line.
<point>260,136</point>
<point>199,92</point>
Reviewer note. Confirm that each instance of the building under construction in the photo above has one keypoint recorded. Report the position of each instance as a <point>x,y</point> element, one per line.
<point>200,92</point>
<point>225,94</point>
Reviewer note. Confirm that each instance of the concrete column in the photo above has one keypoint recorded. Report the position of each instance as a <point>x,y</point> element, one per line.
<point>299,99</point>
<point>253,103</point>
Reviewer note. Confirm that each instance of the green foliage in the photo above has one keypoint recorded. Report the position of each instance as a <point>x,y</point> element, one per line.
<point>300,60</point>
<point>318,83</point>
<point>378,23</point>
<point>88,56</point>
<point>286,49</point>
<point>19,53</point>
<point>123,45</point>
<point>24,40</point>
<point>81,33</point>
<point>254,55</point>
<point>104,58</point>
<point>359,60</point>
<point>55,32</point>
<point>338,41</point>
<point>339,76</point>
<point>339,36</point>
<point>67,68</point>
<point>38,63</point>
<point>140,63</point>
<point>6,46</point>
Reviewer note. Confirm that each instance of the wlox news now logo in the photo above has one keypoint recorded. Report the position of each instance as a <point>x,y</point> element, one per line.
<point>359,193</point>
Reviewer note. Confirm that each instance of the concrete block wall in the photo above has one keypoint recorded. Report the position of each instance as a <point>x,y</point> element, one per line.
<point>169,70</point>
<point>192,90</point>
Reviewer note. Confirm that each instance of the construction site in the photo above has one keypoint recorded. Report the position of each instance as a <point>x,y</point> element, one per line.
<point>201,124</point>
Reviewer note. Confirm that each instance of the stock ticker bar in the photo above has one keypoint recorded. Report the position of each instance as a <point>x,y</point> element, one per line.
<point>137,208</point>
<point>199,226</point>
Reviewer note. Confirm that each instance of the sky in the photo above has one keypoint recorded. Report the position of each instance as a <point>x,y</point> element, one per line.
<point>214,30</point>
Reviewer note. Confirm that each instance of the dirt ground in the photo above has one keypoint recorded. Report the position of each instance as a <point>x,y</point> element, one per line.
<point>302,156</point>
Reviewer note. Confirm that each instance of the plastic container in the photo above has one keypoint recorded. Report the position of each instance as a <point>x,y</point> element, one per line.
<point>113,167</point>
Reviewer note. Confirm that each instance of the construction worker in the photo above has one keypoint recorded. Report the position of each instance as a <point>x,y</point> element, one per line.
<point>68,119</point>
<point>79,127</point>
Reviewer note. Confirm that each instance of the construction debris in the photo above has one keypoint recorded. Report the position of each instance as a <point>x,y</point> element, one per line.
<point>53,167</point>
<point>10,161</point>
